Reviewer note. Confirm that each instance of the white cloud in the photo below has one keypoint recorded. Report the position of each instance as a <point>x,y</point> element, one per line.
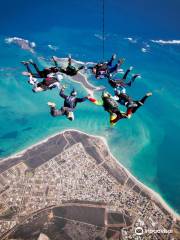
<point>33,44</point>
<point>23,43</point>
<point>52,47</point>
<point>99,36</point>
<point>132,40</point>
<point>144,50</point>
<point>166,41</point>
<point>147,45</point>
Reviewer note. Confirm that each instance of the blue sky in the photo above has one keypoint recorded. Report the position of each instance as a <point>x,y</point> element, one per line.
<point>152,18</point>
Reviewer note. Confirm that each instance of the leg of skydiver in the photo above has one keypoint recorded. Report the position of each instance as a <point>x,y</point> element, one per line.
<point>132,79</point>
<point>70,116</point>
<point>111,60</point>
<point>116,66</point>
<point>41,73</point>
<point>112,117</point>
<point>116,83</point>
<point>60,69</point>
<point>140,103</point>
<point>113,69</point>
<point>27,67</point>
<point>116,116</point>
<point>37,89</point>
<point>126,73</point>
<point>54,85</point>
<point>112,82</point>
<point>80,68</point>
<point>55,112</point>
<point>69,113</point>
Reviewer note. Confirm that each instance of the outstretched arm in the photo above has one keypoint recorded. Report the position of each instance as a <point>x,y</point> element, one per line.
<point>126,73</point>
<point>62,94</point>
<point>81,99</point>
<point>117,83</point>
<point>95,101</point>
<point>55,61</point>
<point>133,79</point>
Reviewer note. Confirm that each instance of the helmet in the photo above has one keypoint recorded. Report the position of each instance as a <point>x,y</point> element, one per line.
<point>105,94</point>
<point>55,69</point>
<point>117,91</point>
<point>73,93</point>
<point>123,90</point>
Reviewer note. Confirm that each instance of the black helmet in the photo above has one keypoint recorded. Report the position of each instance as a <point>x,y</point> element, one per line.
<point>73,93</point>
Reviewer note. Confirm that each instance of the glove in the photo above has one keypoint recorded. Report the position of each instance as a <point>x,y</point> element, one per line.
<point>64,87</point>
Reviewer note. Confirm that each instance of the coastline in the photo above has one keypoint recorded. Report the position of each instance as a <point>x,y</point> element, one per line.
<point>82,78</point>
<point>155,195</point>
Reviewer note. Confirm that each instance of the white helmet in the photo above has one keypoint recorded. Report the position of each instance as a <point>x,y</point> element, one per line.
<point>123,90</point>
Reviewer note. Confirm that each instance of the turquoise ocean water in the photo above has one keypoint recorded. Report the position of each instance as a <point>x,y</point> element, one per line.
<point>147,144</point>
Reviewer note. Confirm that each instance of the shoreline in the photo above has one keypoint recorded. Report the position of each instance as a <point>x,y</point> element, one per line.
<point>81,78</point>
<point>155,195</point>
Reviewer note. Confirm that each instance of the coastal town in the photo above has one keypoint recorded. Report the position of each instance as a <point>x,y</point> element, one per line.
<point>73,177</point>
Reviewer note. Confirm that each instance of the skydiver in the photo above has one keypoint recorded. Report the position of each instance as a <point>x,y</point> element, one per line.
<point>122,97</point>
<point>115,83</point>
<point>70,103</point>
<point>102,70</point>
<point>69,70</point>
<point>110,106</point>
<point>39,73</point>
<point>45,84</point>
<point>132,105</point>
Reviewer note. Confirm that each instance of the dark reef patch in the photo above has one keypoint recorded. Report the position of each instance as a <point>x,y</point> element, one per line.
<point>10,135</point>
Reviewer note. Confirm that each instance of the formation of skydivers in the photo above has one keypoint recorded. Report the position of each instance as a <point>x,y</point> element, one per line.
<point>51,78</point>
